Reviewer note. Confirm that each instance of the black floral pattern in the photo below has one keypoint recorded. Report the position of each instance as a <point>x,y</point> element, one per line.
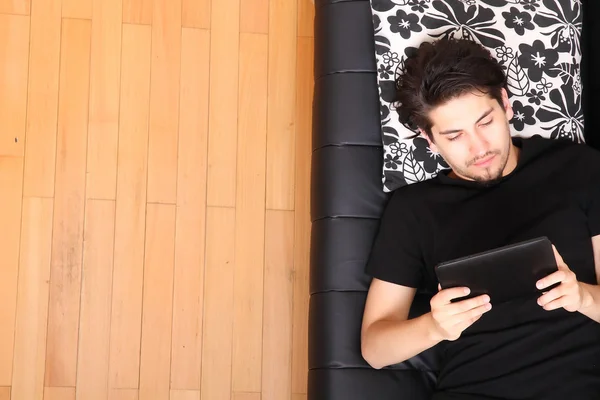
<point>577,84</point>
<point>418,5</point>
<point>530,5</point>
<point>431,161</point>
<point>398,148</point>
<point>523,115</point>
<point>384,112</point>
<point>376,23</point>
<point>538,60</point>
<point>392,162</point>
<point>404,24</point>
<point>503,54</point>
<point>390,136</point>
<point>563,20</point>
<point>412,170</point>
<point>387,87</point>
<point>382,5</point>
<point>453,20</point>
<point>391,58</point>
<point>385,71</point>
<point>518,20</point>
<point>537,42</point>
<point>518,82</point>
<point>563,117</point>
<point>543,85</point>
<point>536,97</point>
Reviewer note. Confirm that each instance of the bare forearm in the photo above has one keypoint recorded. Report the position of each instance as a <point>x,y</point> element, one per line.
<point>390,342</point>
<point>591,302</point>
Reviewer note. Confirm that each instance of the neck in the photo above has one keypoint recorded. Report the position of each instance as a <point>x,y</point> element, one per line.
<point>513,159</point>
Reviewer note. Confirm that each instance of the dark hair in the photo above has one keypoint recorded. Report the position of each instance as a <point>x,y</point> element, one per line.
<point>440,71</point>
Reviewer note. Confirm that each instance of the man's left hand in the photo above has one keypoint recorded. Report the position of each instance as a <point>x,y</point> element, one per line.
<point>570,294</point>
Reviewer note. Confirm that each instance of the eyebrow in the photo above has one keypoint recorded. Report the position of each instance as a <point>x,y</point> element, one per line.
<point>450,131</point>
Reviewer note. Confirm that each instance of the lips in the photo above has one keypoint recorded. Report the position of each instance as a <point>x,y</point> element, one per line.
<point>485,162</point>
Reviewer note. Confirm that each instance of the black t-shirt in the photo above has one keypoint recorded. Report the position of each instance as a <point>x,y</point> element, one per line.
<point>518,350</point>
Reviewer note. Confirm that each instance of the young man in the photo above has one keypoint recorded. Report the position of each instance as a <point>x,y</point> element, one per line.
<point>500,190</point>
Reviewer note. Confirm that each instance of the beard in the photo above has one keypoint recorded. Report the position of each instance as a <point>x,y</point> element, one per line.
<point>489,180</point>
<point>490,176</point>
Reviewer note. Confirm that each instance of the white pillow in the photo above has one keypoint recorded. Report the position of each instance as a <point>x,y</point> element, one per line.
<point>537,42</point>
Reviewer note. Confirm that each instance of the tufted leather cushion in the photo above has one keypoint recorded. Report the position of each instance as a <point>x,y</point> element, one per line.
<point>347,201</point>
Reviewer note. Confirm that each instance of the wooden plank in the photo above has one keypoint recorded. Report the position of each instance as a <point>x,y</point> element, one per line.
<point>254,16</point>
<point>246,396</point>
<point>103,131</point>
<point>306,18</point>
<point>250,213</point>
<point>185,395</point>
<point>42,99</point>
<point>195,13</point>
<point>282,99</point>
<point>22,7</point>
<point>164,102</point>
<point>193,127</point>
<point>224,57</point>
<point>130,208</point>
<point>11,188</point>
<point>81,9</point>
<point>137,12</point>
<point>4,393</point>
<point>32,303</point>
<point>123,394</point>
<point>186,359</point>
<point>277,335</point>
<point>218,304</point>
<point>299,396</point>
<point>59,393</point>
<point>96,295</point>
<point>14,53</point>
<point>69,204</point>
<point>304,96</point>
<point>157,311</point>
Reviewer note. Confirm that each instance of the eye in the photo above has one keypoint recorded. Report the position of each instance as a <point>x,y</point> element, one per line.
<point>453,138</point>
<point>488,123</point>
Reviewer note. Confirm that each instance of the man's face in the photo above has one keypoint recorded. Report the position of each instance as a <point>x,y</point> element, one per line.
<point>472,133</point>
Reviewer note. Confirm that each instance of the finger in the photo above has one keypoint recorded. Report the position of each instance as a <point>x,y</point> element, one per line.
<point>464,324</point>
<point>560,262</point>
<point>468,305</point>
<point>557,256</point>
<point>555,277</point>
<point>473,312</point>
<point>446,295</point>
<point>439,287</point>
<point>551,296</point>
<point>561,302</point>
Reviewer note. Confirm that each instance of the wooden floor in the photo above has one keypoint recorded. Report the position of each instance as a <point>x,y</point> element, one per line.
<point>154,199</point>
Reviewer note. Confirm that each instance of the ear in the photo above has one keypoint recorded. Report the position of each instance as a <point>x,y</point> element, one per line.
<point>432,145</point>
<point>508,110</point>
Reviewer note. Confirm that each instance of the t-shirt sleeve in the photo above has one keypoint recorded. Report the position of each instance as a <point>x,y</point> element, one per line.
<point>396,253</point>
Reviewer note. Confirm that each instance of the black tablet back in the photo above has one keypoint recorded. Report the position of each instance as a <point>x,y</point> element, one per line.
<point>505,273</point>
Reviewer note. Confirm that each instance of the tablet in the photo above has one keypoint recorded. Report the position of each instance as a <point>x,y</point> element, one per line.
<point>505,273</point>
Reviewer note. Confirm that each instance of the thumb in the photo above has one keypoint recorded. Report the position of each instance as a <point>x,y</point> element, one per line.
<point>559,260</point>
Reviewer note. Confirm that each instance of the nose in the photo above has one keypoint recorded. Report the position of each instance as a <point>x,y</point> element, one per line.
<point>479,145</point>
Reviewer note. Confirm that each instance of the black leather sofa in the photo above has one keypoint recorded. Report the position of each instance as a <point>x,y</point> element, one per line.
<point>347,201</point>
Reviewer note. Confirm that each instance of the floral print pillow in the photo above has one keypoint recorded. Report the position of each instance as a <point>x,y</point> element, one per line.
<point>536,41</point>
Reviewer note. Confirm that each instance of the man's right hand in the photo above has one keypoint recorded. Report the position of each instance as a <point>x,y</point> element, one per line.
<point>451,319</point>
